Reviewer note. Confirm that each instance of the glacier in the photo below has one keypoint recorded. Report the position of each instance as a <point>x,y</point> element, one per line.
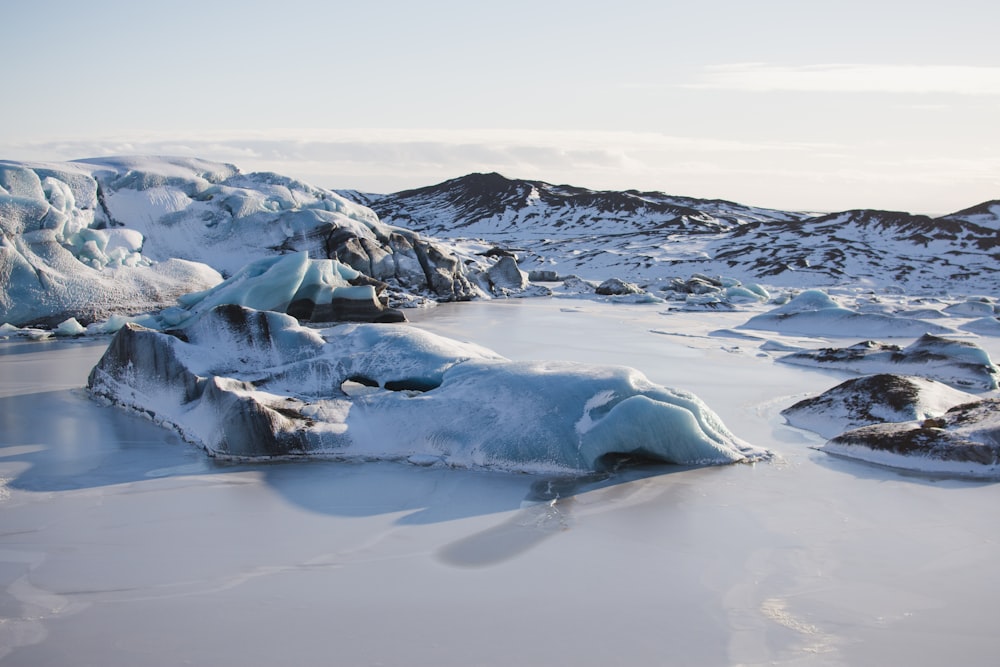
<point>95,238</point>
<point>253,384</point>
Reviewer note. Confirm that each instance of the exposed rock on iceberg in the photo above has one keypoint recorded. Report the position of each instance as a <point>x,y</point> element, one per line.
<point>874,399</point>
<point>964,441</point>
<point>815,313</point>
<point>245,383</point>
<point>958,363</point>
<point>128,235</point>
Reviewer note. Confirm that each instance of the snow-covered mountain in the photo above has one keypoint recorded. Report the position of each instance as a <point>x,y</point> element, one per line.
<point>648,236</point>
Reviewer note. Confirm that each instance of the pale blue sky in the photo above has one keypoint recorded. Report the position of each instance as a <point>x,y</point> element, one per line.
<point>809,105</point>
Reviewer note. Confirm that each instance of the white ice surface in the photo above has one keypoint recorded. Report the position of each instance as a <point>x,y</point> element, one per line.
<point>121,545</point>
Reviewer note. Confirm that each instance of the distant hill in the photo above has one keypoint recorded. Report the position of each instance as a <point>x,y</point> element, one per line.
<point>646,236</point>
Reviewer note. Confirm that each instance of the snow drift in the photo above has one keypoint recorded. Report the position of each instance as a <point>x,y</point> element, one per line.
<point>245,383</point>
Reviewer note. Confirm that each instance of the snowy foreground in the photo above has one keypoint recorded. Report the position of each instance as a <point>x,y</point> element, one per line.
<point>124,545</point>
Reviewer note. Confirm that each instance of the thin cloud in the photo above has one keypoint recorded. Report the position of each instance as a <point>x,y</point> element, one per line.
<point>840,78</point>
<point>793,175</point>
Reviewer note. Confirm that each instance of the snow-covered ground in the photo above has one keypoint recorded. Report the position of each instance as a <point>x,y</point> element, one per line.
<point>122,545</point>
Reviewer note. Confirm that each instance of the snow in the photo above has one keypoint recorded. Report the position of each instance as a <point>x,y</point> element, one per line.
<point>984,326</point>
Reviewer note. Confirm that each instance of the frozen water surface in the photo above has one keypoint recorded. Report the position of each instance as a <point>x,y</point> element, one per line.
<point>121,545</point>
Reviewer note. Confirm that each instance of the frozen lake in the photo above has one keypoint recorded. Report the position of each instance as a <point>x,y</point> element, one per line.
<point>122,545</point>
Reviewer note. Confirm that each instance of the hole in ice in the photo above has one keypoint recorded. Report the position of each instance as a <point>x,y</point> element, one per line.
<point>358,386</point>
<point>613,461</point>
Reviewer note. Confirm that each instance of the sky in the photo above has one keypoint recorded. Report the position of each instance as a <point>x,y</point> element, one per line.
<point>815,105</point>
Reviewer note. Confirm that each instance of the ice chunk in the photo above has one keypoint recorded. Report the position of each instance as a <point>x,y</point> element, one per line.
<point>70,327</point>
<point>308,289</point>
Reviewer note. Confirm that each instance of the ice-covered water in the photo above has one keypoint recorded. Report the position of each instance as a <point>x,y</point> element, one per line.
<point>120,545</point>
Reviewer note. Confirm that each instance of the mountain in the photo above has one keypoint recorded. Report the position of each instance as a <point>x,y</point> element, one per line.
<point>651,236</point>
<point>492,204</point>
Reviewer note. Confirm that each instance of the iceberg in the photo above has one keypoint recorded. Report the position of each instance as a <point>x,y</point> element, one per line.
<point>243,383</point>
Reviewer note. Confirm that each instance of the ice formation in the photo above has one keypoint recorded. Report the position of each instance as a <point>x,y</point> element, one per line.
<point>815,313</point>
<point>246,383</point>
<point>61,257</point>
